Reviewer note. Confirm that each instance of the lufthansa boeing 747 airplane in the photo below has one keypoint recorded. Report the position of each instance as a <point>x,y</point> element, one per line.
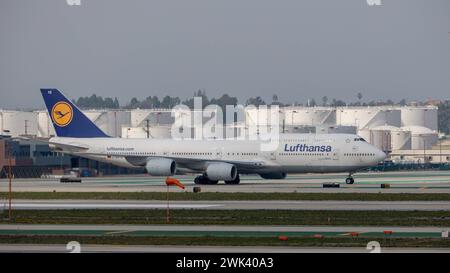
<point>213,160</point>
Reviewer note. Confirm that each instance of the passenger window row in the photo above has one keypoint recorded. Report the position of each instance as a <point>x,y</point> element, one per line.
<point>251,154</point>
<point>132,153</point>
<point>359,154</point>
<point>305,154</point>
<point>193,153</point>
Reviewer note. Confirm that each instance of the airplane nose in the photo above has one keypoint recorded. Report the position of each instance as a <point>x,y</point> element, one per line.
<point>380,155</point>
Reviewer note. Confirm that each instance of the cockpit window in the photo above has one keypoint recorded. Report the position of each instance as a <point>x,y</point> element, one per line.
<point>360,139</point>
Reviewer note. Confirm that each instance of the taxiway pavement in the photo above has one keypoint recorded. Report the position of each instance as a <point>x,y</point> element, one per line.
<point>400,182</point>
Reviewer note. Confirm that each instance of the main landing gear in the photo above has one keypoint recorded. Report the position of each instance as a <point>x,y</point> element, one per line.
<point>349,180</point>
<point>204,180</point>
<point>233,182</point>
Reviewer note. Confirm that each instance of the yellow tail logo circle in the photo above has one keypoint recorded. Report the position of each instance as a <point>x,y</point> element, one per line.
<point>62,114</point>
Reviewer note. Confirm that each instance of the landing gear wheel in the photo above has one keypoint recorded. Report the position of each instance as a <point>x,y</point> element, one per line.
<point>234,182</point>
<point>203,180</point>
<point>349,180</point>
<point>197,180</point>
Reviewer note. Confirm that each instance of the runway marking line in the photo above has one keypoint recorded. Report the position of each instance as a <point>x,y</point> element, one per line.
<point>350,233</point>
<point>120,232</point>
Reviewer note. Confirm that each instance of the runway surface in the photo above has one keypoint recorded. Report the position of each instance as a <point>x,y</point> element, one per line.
<point>400,182</point>
<point>231,205</point>
<point>219,230</point>
<point>23,248</point>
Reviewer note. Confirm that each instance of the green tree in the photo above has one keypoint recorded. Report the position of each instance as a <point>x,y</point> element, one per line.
<point>312,102</point>
<point>134,103</point>
<point>169,102</point>
<point>337,103</point>
<point>444,117</point>
<point>95,101</point>
<point>402,102</point>
<point>324,100</point>
<point>359,96</point>
<point>256,101</point>
<point>200,93</point>
<point>275,98</point>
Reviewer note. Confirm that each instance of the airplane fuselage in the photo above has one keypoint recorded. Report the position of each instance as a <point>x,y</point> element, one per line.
<point>294,153</point>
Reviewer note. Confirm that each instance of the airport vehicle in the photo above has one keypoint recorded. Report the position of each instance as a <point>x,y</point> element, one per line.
<point>214,160</point>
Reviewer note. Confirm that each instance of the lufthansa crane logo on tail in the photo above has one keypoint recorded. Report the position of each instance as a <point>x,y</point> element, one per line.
<point>62,114</point>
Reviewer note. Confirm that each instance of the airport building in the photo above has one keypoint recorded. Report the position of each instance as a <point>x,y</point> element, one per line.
<point>437,154</point>
<point>30,158</point>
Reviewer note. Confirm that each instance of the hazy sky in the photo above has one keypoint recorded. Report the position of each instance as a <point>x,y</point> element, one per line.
<point>297,49</point>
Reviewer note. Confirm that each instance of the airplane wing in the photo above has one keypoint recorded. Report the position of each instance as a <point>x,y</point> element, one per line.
<point>194,164</point>
<point>69,147</point>
<point>75,147</point>
<point>199,164</point>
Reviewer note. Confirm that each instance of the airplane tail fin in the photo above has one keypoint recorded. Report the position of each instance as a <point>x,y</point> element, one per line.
<point>67,119</point>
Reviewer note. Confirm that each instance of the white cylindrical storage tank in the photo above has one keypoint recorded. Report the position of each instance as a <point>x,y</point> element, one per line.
<point>100,118</point>
<point>368,117</point>
<point>134,132</point>
<point>155,132</point>
<point>16,123</point>
<point>139,117</point>
<point>109,121</point>
<point>117,120</point>
<point>236,130</point>
<point>423,141</point>
<point>335,129</point>
<point>264,116</point>
<point>422,137</point>
<point>44,124</point>
<point>311,116</point>
<point>426,116</point>
<point>384,136</point>
<point>401,139</point>
<point>364,133</point>
<point>379,136</point>
<point>161,131</point>
<point>300,129</point>
<point>187,117</point>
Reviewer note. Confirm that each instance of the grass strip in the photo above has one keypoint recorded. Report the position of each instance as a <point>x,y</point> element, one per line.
<point>232,217</point>
<point>227,241</point>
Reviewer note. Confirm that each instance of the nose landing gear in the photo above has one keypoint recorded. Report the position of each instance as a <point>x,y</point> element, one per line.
<point>349,180</point>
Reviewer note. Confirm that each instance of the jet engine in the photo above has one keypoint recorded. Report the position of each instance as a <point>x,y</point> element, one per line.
<point>161,166</point>
<point>221,171</point>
